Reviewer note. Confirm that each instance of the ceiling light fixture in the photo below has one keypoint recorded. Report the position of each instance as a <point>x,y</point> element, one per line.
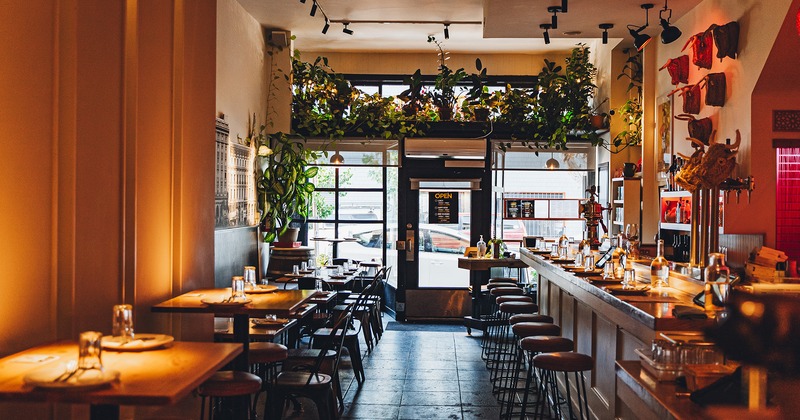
<point>670,33</point>
<point>641,40</point>
<point>337,159</point>
<point>326,27</point>
<point>314,8</point>
<point>605,27</point>
<point>446,31</point>
<point>546,34</point>
<point>554,21</point>
<point>564,6</point>
<point>346,30</point>
<point>552,163</point>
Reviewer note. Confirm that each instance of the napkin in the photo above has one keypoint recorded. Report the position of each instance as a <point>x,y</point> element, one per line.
<point>688,312</point>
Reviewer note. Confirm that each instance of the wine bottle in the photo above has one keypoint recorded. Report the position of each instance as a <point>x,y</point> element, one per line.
<point>659,268</point>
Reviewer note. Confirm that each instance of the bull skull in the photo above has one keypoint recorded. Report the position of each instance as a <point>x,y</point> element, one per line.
<point>708,169</point>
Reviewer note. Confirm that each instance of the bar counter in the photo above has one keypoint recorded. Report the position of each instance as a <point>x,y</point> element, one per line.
<point>607,327</point>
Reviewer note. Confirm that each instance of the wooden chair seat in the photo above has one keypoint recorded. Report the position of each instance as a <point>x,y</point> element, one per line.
<point>528,329</point>
<point>298,380</point>
<point>563,362</point>
<point>266,352</point>
<point>230,383</point>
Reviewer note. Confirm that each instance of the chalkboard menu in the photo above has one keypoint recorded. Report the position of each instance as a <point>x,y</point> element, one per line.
<point>442,207</point>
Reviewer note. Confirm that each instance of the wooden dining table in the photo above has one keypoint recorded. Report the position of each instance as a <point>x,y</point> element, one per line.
<point>159,376</point>
<point>281,303</point>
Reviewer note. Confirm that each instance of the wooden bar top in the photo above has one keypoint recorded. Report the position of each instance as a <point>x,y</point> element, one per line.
<point>654,309</point>
<point>280,302</point>
<point>153,377</point>
<point>483,264</point>
<point>636,387</point>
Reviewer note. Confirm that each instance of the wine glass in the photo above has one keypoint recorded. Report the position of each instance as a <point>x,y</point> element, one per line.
<point>632,232</point>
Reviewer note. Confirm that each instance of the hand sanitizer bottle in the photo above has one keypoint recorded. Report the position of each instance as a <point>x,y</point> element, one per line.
<point>481,248</point>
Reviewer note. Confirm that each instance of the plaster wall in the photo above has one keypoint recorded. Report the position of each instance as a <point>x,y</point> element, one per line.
<point>760,22</point>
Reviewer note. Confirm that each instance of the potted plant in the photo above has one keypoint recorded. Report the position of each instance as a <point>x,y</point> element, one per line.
<point>284,185</point>
<point>599,120</point>
<point>478,96</point>
<point>414,97</point>
<point>631,111</point>
<point>444,95</point>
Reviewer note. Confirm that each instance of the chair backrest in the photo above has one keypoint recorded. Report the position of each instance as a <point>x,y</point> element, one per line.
<point>335,342</point>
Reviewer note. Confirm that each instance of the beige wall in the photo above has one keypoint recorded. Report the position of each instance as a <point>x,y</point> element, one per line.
<point>760,22</point>
<point>108,111</point>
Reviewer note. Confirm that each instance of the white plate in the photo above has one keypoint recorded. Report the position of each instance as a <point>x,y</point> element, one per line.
<point>44,378</point>
<point>226,303</point>
<point>262,289</point>
<point>140,342</point>
<point>263,322</point>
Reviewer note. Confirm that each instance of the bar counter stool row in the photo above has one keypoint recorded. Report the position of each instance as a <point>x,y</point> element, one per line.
<point>519,341</point>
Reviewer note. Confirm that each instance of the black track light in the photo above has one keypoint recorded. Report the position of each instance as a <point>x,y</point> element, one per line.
<point>554,21</point>
<point>641,40</point>
<point>314,9</point>
<point>326,27</point>
<point>446,31</point>
<point>546,34</point>
<point>605,27</point>
<point>346,30</point>
<point>564,6</point>
<point>670,33</point>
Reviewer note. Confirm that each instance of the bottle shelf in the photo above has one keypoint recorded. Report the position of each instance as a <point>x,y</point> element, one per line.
<point>676,226</point>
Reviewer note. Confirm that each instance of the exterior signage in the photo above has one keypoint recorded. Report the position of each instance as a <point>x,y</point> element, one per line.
<point>443,207</point>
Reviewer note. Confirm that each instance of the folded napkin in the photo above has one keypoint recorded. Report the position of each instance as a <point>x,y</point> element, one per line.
<point>688,312</point>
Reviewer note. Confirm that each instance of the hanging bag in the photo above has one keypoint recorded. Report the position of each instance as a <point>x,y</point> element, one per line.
<point>716,88</point>
<point>678,69</point>
<point>702,49</point>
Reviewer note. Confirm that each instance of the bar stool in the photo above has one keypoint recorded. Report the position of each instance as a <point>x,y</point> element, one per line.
<point>549,364</point>
<point>264,360</point>
<point>505,342</point>
<point>493,321</point>
<point>516,319</point>
<point>225,385</point>
<point>533,346</point>
<point>509,384</point>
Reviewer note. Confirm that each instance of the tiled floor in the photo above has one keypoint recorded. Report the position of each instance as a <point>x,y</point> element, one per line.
<point>419,375</point>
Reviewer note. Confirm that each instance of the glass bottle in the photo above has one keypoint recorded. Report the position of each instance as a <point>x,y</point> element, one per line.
<point>563,245</point>
<point>716,280</point>
<point>659,268</point>
<point>619,257</point>
<point>481,247</point>
<point>583,243</point>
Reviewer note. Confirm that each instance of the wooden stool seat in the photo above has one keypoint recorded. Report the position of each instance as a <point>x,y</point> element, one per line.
<point>300,380</point>
<point>516,319</point>
<point>546,344</point>
<point>503,291</point>
<point>563,362</point>
<point>513,298</point>
<point>529,329</point>
<point>503,280</point>
<point>230,383</point>
<point>495,285</point>
<point>518,307</point>
<point>266,352</point>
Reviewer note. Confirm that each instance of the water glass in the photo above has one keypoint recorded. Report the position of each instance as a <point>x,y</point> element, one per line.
<point>588,263</point>
<point>90,351</point>
<point>304,266</point>
<point>629,278</point>
<point>554,250</point>
<point>295,269</point>
<point>237,287</point>
<point>250,276</point>
<point>609,270</point>
<point>578,259</point>
<point>122,322</point>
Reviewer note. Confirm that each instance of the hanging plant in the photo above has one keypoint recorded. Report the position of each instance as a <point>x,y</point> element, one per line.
<point>631,111</point>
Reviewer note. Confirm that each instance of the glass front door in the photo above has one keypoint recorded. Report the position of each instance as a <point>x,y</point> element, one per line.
<point>442,238</point>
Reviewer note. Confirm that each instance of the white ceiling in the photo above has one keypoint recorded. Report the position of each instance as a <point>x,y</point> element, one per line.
<point>508,26</point>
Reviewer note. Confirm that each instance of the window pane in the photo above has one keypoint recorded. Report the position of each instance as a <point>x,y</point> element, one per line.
<point>393,90</point>
<point>361,177</point>
<point>528,160</point>
<point>369,244</point>
<point>360,205</point>
<point>368,89</point>
<point>322,206</point>
<point>325,177</point>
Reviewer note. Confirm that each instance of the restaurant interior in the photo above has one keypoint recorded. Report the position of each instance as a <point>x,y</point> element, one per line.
<point>458,266</point>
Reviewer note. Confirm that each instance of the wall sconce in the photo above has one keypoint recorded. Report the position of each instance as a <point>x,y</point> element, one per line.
<point>605,27</point>
<point>641,40</point>
<point>670,33</point>
<point>337,159</point>
<point>546,34</point>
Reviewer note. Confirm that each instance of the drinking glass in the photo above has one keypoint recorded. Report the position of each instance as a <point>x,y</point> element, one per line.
<point>588,263</point>
<point>295,269</point>
<point>304,266</point>
<point>237,287</point>
<point>609,269</point>
<point>629,278</point>
<point>554,250</point>
<point>90,351</point>
<point>632,231</point>
<point>122,322</point>
<point>250,277</point>
<point>578,259</point>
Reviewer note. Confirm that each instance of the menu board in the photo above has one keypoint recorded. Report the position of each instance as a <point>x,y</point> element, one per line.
<point>564,209</point>
<point>442,207</point>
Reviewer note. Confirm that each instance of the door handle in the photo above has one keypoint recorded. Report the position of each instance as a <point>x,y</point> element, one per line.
<point>409,244</point>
